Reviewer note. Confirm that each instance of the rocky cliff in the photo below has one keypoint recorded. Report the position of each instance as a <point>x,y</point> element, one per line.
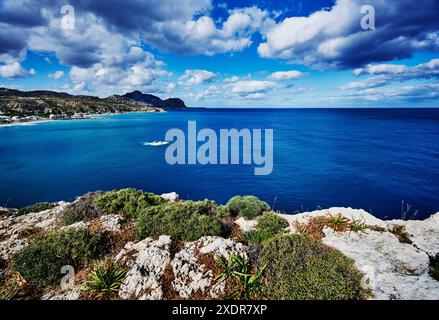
<point>396,259</point>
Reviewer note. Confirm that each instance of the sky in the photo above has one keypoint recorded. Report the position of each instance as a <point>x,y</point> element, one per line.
<point>283,53</point>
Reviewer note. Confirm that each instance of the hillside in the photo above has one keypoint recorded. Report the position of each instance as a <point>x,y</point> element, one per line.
<point>46,103</point>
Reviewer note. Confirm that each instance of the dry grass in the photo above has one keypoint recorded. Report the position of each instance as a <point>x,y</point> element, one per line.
<point>400,232</point>
<point>339,223</point>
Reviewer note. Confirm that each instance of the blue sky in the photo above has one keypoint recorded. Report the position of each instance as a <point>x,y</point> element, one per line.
<point>227,53</point>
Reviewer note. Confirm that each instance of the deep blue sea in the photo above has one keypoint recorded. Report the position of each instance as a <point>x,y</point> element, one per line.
<point>364,158</point>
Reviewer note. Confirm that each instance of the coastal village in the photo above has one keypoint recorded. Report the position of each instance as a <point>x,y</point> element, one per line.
<point>4,119</point>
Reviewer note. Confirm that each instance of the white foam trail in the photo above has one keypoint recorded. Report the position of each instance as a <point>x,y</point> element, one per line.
<point>156,143</point>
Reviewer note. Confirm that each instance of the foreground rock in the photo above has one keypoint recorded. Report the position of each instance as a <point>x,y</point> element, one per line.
<point>191,273</point>
<point>147,261</point>
<point>152,268</point>
<point>394,270</point>
<point>15,230</point>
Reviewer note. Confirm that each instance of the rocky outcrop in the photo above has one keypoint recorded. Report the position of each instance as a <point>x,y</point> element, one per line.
<point>152,265</point>
<point>192,276</point>
<point>15,230</point>
<point>393,269</point>
<point>147,261</point>
<point>171,197</point>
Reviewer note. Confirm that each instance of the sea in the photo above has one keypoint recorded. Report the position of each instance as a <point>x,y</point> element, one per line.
<point>385,161</point>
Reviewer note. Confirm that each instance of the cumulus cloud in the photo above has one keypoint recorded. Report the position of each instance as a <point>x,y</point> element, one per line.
<point>170,87</point>
<point>408,93</point>
<point>56,75</point>
<point>15,70</point>
<point>137,68</point>
<point>252,88</point>
<point>196,77</point>
<point>202,35</point>
<point>285,75</point>
<point>334,38</point>
<point>231,79</point>
<point>99,47</point>
<point>384,74</point>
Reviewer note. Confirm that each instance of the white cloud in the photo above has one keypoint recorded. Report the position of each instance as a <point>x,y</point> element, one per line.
<point>203,36</point>
<point>129,71</point>
<point>285,75</point>
<point>196,77</point>
<point>170,87</point>
<point>384,74</point>
<point>252,86</point>
<point>56,75</point>
<point>381,69</point>
<point>15,70</point>
<point>231,79</point>
<point>334,38</point>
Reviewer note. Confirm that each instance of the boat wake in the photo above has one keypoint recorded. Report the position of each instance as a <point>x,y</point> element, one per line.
<point>156,143</point>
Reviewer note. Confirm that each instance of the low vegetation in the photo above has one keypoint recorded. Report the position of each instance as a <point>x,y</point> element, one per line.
<point>186,221</point>
<point>248,207</point>
<point>275,265</point>
<point>244,284</point>
<point>105,280</point>
<point>40,263</point>
<point>400,232</point>
<point>83,209</point>
<point>268,225</point>
<point>37,207</point>
<point>300,268</point>
<point>127,202</point>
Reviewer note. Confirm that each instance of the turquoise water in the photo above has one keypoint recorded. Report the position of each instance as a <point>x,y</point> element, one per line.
<point>370,159</point>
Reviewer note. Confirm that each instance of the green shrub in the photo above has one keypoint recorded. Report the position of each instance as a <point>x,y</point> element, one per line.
<point>37,207</point>
<point>128,201</point>
<point>246,285</point>
<point>223,211</point>
<point>83,208</point>
<point>248,207</point>
<point>299,268</point>
<point>105,280</point>
<point>256,237</point>
<point>269,225</point>
<point>186,221</point>
<point>41,262</point>
<point>272,223</point>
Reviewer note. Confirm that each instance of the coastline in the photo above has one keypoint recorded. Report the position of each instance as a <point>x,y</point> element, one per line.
<point>89,116</point>
<point>26,123</point>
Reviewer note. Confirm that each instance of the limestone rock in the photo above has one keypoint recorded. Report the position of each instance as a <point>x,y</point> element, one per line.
<point>424,234</point>
<point>14,230</point>
<point>147,260</point>
<point>394,270</point>
<point>171,197</point>
<point>246,225</point>
<point>190,276</point>
<point>71,294</point>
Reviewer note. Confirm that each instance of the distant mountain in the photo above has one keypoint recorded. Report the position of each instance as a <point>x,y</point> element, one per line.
<point>44,103</point>
<point>154,100</point>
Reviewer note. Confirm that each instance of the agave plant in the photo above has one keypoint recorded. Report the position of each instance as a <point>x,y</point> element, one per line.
<point>105,279</point>
<point>249,285</point>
